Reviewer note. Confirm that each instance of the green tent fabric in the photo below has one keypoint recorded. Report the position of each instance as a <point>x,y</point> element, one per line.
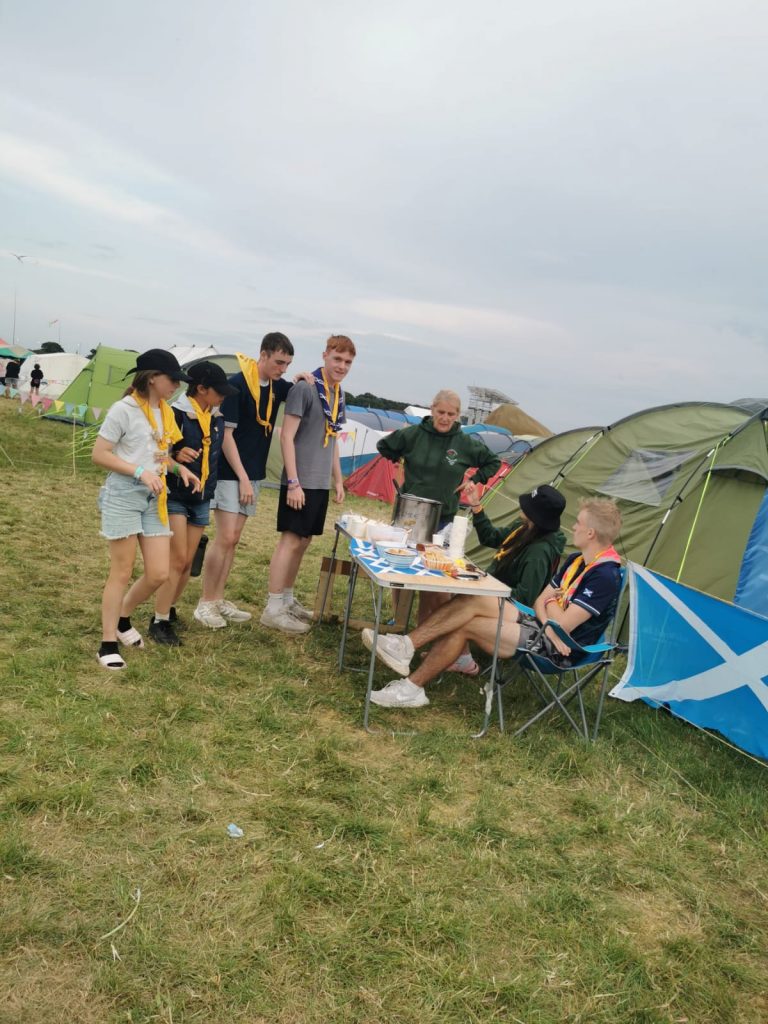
<point>655,464</point>
<point>99,384</point>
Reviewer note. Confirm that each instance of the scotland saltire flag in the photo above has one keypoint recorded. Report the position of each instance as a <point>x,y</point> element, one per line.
<point>703,658</point>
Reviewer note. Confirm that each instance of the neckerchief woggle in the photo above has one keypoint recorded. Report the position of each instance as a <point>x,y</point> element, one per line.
<point>576,571</point>
<point>334,417</point>
<point>506,545</point>
<point>204,419</point>
<point>250,370</point>
<point>170,435</point>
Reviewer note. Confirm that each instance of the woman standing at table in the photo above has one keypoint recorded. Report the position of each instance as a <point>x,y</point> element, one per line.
<point>436,454</point>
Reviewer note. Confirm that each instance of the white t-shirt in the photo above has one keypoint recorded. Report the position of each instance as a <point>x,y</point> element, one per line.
<point>126,426</point>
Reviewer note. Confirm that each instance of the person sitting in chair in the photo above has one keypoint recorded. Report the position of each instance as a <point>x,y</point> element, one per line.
<point>581,597</point>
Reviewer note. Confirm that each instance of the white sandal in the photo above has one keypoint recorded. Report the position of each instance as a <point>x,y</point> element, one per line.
<point>130,638</point>
<point>111,661</point>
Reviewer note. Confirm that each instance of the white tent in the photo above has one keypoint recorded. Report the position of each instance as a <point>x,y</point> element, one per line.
<point>59,370</point>
<point>191,353</point>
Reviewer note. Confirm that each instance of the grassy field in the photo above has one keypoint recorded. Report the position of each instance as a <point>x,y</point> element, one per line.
<point>422,879</point>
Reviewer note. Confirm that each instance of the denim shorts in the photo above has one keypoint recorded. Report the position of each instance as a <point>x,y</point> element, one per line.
<point>129,508</point>
<point>196,515</point>
<point>227,497</point>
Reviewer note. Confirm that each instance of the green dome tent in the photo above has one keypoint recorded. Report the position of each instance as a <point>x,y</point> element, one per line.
<point>690,480</point>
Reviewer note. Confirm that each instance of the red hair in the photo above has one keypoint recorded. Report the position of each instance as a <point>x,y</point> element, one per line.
<point>340,343</point>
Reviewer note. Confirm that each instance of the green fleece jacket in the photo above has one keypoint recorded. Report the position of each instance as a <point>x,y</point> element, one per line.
<point>435,463</point>
<point>528,572</point>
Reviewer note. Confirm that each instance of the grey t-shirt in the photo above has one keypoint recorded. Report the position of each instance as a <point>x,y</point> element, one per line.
<point>314,463</point>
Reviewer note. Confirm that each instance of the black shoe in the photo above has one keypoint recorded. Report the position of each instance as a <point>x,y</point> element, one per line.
<point>162,632</point>
<point>174,619</point>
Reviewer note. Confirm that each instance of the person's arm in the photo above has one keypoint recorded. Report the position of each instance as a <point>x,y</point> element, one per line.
<point>232,455</point>
<point>546,607</point>
<point>488,463</point>
<point>291,425</point>
<point>338,479</point>
<point>392,446</point>
<point>103,455</point>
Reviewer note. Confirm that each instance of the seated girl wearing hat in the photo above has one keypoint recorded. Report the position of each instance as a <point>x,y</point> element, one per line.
<point>527,551</point>
<point>134,444</point>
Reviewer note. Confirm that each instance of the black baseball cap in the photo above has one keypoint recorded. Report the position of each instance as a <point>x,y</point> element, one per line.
<point>160,361</point>
<point>211,375</point>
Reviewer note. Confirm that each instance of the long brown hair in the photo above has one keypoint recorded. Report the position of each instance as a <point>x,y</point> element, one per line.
<point>140,383</point>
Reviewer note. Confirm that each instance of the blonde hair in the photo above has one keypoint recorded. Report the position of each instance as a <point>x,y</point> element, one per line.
<point>448,397</point>
<point>603,517</point>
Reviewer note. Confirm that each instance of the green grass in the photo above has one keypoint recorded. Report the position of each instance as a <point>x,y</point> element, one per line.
<point>412,879</point>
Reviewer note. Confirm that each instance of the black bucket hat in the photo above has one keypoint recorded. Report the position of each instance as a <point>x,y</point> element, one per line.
<point>543,505</point>
<point>160,361</point>
<point>211,375</point>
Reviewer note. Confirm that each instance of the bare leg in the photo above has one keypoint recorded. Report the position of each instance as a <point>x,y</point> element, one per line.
<point>194,533</point>
<point>122,554</point>
<point>429,602</point>
<point>455,615</point>
<point>184,536</point>
<point>156,554</point>
<point>482,630</point>
<point>221,553</point>
<point>286,560</point>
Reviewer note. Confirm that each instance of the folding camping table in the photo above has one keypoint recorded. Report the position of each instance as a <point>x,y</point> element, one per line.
<point>383,577</point>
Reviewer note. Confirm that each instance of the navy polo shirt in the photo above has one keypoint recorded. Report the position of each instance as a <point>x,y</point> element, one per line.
<point>597,593</point>
<point>239,411</point>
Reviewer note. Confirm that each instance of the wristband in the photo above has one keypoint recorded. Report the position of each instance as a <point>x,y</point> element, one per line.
<point>175,469</point>
<point>291,480</point>
<point>476,510</point>
<point>137,472</point>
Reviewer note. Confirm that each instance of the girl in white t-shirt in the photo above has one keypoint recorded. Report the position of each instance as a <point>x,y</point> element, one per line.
<point>134,444</point>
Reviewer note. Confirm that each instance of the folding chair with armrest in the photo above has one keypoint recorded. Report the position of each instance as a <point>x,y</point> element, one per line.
<point>569,681</point>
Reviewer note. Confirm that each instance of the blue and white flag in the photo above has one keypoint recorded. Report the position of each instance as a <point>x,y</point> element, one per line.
<point>703,658</point>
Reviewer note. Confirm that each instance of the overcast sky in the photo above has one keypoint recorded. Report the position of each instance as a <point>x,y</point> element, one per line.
<point>566,201</point>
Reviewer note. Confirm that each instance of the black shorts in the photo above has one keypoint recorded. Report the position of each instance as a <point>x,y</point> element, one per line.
<point>529,629</point>
<point>304,522</point>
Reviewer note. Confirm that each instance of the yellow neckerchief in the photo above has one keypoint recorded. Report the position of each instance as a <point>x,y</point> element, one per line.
<point>250,370</point>
<point>204,419</point>
<point>571,580</point>
<point>329,431</point>
<point>170,435</point>
<point>506,545</point>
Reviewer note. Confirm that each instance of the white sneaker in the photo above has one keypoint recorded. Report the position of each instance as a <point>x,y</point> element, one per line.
<point>400,693</point>
<point>232,613</point>
<point>298,611</point>
<point>394,650</point>
<point>207,612</point>
<point>284,621</point>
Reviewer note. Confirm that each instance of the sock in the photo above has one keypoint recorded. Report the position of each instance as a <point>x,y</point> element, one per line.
<point>275,603</point>
<point>162,618</point>
<point>288,596</point>
<point>108,647</point>
<point>124,623</point>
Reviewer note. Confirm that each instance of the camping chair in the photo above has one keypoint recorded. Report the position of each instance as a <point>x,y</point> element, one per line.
<point>567,684</point>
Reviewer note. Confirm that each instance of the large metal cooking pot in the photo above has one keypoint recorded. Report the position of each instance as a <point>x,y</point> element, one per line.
<point>419,515</point>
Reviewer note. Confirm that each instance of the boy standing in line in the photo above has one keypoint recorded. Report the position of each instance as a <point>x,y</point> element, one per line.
<point>249,419</point>
<point>314,414</point>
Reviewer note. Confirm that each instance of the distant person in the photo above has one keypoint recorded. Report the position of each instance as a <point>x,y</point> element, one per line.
<point>134,444</point>
<point>314,414</point>
<point>12,369</point>
<point>581,597</point>
<point>436,454</point>
<point>202,428</point>
<point>3,364</point>
<point>249,421</point>
<point>35,379</point>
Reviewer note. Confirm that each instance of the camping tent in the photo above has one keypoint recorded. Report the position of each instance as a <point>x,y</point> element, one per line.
<point>100,383</point>
<point>516,421</point>
<point>59,370</point>
<point>690,481</point>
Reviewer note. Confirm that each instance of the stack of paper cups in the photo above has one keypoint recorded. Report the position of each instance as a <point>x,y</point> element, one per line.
<point>459,531</point>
